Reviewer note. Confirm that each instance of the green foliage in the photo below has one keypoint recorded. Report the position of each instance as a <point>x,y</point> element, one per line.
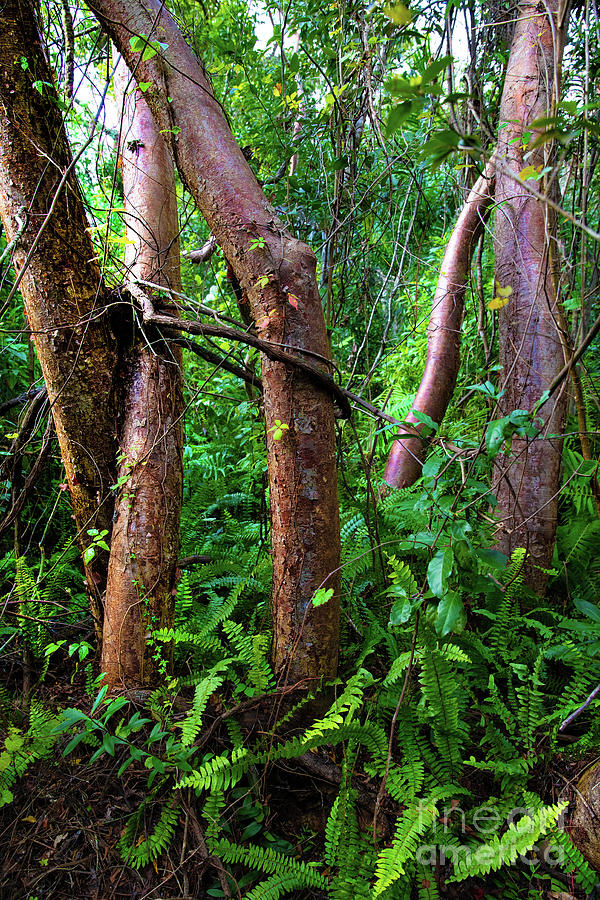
<point>138,845</point>
<point>517,840</point>
<point>22,746</point>
<point>452,682</point>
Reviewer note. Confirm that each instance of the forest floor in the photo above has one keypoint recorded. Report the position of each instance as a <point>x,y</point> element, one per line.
<point>60,835</point>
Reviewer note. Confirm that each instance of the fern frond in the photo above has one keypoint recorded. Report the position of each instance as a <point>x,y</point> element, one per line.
<point>393,861</point>
<point>138,853</point>
<point>517,840</point>
<point>271,861</point>
<point>571,860</point>
<point>439,690</point>
<point>192,723</point>
<point>275,887</point>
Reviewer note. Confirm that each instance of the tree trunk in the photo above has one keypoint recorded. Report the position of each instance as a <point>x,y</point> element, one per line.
<point>528,477</point>
<point>145,542</point>
<point>61,284</point>
<point>405,460</point>
<point>277,272</point>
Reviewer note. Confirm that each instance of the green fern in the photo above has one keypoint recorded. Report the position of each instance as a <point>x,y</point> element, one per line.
<point>270,861</point>
<point>224,771</point>
<point>393,862</point>
<point>439,690</point>
<point>192,723</point>
<point>275,887</point>
<point>138,851</point>
<point>21,748</point>
<point>516,841</point>
<point>572,860</point>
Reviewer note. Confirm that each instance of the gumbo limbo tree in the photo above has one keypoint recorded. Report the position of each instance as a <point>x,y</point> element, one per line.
<point>82,358</point>
<point>532,339</point>
<point>114,380</point>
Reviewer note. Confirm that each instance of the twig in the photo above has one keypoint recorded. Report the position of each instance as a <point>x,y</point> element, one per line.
<point>580,709</point>
<point>198,559</point>
<point>220,362</point>
<point>31,394</point>
<point>30,481</point>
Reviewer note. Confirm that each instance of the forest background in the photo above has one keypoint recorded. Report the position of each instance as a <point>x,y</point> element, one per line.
<point>347,616</point>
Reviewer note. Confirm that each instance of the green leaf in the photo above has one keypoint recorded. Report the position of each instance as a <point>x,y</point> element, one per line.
<point>14,742</point>
<point>495,435</point>
<point>113,707</point>
<point>438,571</point>
<point>322,596</point>
<point>424,419</point>
<point>398,13</point>
<point>99,698</point>
<point>74,742</point>
<point>144,85</point>
<point>398,116</point>
<point>436,67</point>
<point>69,718</point>
<point>88,554</point>
<point>401,611</point>
<point>451,616</point>
<point>109,742</point>
<point>588,609</point>
<point>137,42</point>
<point>493,559</point>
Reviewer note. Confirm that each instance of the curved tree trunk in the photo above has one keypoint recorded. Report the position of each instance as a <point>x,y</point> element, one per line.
<point>528,478</point>
<point>145,542</point>
<point>61,285</point>
<point>405,460</point>
<point>273,269</point>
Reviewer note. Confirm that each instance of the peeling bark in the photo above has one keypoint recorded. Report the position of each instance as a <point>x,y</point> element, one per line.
<point>528,478</point>
<point>405,460</point>
<point>145,542</point>
<point>273,268</point>
<point>62,290</point>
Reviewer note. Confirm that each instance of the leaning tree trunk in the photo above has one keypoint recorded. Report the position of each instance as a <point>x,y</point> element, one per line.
<point>277,272</point>
<point>405,461</point>
<point>528,477</point>
<point>145,542</point>
<point>42,211</point>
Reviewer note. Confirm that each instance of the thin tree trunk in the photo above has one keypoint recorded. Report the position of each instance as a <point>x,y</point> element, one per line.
<point>528,477</point>
<point>145,542</point>
<point>61,285</point>
<point>277,272</point>
<point>405,460</point>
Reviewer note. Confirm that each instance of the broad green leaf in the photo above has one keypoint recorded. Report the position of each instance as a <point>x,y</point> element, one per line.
<point>451,616</point>
<point>438,571</point>
<point>401,611</point>
<point>398,115</point>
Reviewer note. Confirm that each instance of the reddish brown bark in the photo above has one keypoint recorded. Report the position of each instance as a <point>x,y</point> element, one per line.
<point>405,460</point>
<point>272,268</point>
<point>61,287</point>
<point>527,482</point>
<point>145,542</point>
